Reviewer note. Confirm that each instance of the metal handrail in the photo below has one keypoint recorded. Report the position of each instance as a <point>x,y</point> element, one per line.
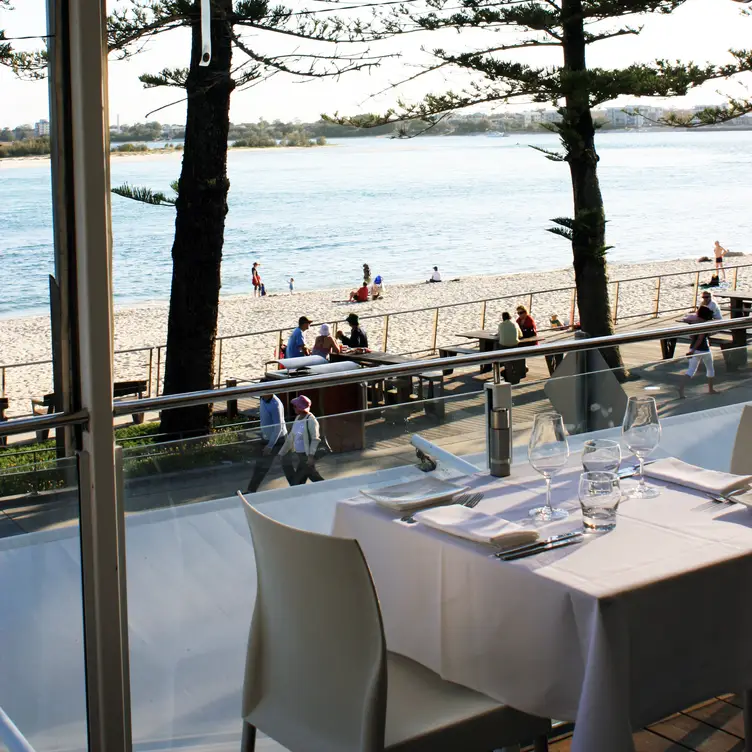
<point>43,422</point>
<point>11,737</point>
<point>193,399</point>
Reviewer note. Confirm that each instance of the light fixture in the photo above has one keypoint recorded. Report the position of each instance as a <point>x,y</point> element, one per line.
<point>205,33</point>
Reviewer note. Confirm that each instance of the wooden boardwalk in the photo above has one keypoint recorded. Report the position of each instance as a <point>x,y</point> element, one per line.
<point>716,725</point>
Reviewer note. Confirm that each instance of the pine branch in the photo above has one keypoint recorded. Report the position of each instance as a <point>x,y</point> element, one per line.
<point>168,77</point>
<point>734,109</point>
<point>333,65</point>
<point>554,156</point>
<point>562,232</point>
<point>144,195</point>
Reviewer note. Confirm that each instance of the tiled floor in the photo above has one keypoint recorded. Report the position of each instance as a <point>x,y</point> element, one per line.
<point>713,726</point>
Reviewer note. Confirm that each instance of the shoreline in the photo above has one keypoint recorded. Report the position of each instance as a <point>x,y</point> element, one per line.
<point>25,339</point>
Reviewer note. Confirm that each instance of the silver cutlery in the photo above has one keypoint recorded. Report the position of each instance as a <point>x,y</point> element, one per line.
<point>466,500</point>
<point>548,547</point>
<point>538,544</point>
<point>715,500</point>
<point>628,472</point>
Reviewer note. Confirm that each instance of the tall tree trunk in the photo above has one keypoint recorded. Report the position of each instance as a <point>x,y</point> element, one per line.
<point>589,228</point>
<point>199,225</point>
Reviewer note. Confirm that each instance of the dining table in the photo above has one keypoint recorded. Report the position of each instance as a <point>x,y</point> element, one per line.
<point>612,633</point>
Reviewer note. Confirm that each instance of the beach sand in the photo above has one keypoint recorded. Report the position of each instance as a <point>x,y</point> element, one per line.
<point>23,340</point>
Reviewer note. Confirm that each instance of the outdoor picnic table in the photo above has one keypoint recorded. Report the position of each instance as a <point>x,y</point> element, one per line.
<point>488,340</point>
<point>403,384</point>
<point>373,358</point>
<point>741,305</point>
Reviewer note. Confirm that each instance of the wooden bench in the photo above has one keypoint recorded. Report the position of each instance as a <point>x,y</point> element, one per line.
<point>431,391</point>
<point>451,350</point>
<point>46,405</point>
<point>723,340</point>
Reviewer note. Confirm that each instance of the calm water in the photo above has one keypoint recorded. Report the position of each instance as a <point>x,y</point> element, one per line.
<point>470,205</point>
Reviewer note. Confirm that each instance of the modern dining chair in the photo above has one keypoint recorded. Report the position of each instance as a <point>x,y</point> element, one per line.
<point>741,456</point>
<point>319,677</point>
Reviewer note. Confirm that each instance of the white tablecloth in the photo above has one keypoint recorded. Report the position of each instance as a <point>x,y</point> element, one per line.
<point>613,633</point>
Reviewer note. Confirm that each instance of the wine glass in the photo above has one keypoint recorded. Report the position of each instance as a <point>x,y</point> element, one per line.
<point>548,452</point>
<point>641,431</point>
<point>601,455</point>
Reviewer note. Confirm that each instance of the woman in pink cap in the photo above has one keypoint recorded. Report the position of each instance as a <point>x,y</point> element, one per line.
<point>302,440</point>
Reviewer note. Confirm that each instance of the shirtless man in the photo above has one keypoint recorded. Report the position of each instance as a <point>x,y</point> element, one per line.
<point>720,252</point>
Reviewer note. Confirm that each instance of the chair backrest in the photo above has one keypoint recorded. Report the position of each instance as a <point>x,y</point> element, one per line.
<point>315,676</point>
<point>741,456</point>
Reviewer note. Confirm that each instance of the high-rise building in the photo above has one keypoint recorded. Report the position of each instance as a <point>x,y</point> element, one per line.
<point>42,128</point>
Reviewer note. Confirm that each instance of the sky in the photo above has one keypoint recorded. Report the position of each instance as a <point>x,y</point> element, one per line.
<point>701,31</point>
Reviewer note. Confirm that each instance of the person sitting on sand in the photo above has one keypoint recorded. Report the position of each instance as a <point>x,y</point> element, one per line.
<point>296,346</point>
<point>436,276</point>
<point>325,344</point>
<point>377,288</point>
<point>699,352</point>
<point>360,295</point>
<point>357,336</point>
<point>526,323</point>
<point>555,321</point>
<point>509,333</point>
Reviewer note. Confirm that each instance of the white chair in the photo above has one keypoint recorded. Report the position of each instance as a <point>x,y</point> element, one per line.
<point>318,675</point>
<point>741,456</point>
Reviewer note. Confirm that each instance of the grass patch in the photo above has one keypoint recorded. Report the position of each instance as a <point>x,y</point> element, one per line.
<point>34,467</point>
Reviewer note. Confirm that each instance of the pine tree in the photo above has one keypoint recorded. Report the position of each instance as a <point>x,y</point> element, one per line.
<point>247,29</point>
<point>571,86</point>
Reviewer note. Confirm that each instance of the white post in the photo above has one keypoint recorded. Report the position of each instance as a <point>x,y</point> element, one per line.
<point>102,519</point>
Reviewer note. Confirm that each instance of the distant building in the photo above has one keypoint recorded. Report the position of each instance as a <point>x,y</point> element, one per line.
<point>42,128</point>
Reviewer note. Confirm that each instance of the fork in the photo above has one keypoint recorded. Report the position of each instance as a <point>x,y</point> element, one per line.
<point>466,500</point>
<point>715,500</point>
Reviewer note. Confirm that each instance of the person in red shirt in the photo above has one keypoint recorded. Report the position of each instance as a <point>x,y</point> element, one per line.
<point>526,323</point>
<point>360,295</point>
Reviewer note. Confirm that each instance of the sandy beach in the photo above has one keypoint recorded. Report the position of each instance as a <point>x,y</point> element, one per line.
<point>24,340</point>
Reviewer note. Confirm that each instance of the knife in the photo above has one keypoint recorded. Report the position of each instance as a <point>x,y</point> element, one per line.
<point>547,547</point>
<point>628,472</point>
<point>537,544</point>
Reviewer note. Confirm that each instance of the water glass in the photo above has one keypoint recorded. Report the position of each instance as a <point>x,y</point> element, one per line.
<point>601,455</point>
<point>641,432</point>
<point>548,452</point>
<point>600,494</point>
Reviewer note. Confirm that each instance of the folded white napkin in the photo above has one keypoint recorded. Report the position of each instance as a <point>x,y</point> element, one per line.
<point>691,476</point>
<point>476,526</point>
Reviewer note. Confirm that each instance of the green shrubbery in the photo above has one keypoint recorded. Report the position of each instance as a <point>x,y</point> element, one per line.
<point>25,148</point>
<point>132,148</point>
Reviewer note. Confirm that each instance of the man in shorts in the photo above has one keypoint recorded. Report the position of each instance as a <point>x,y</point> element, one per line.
<point>699,352</point>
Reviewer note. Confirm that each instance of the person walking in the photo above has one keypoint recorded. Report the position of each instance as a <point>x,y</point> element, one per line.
<point>719,252</point>
<point>256,279</point>
<point>325,344</point>
<point>291,284</point>
<point>357,336</point>
<point>296,346</point>
<point>274,433</point>
<point>699,352</point>
<point>301,444</point>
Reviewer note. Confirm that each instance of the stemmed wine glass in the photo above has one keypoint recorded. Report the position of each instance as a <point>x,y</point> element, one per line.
<point>548,452</point>
<point>641,431</point>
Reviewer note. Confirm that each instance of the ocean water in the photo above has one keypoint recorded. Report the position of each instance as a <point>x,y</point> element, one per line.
<point>471,205</point>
